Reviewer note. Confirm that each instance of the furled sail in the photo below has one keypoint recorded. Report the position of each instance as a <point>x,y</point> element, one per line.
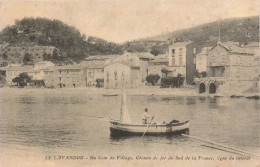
<point>124,115</point>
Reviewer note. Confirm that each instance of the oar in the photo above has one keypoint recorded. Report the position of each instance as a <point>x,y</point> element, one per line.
<point>148,127</point>
<point>221,145</point>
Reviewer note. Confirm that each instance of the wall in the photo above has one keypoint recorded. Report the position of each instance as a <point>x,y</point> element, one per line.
<point>217,57</point>
<point>177,49</point>
<point>191,61</point>
<point>201,62</point>
<point>64,78</point>
<point>242,67</point>
<point>91,75</point>
<point>123,76</point>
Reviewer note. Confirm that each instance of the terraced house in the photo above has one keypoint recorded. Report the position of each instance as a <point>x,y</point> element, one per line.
<point>70,76</point>
<point>129,69</point>
<point>230,68</point>
<point>182,60</point>
<point>94,73</point>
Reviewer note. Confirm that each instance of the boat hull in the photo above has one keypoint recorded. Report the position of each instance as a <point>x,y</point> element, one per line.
<point>121,129</point>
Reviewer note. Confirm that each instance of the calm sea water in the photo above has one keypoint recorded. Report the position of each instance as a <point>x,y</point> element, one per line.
<point>43,122</point>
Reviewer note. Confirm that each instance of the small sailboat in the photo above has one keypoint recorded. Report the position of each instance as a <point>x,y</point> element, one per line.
<point>124,126</point>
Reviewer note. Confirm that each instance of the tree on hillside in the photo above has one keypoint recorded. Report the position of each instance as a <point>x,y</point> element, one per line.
<point>5,56</point>
<point>27,59</point>
<point>154,52</point>
<point>67,39</point>
<point>152,78</point>
<point>22,79</point>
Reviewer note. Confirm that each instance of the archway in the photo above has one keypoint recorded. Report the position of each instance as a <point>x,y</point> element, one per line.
<point>202,88</point>
<point>212,88</point>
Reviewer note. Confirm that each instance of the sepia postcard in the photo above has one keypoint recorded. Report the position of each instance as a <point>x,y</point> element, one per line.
<point>129,83</point>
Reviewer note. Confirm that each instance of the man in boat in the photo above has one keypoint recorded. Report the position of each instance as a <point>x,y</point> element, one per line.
<point>146,117</point>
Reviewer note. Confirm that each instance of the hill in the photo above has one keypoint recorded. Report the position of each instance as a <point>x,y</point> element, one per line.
<point>35,39</point>
<point>235,29</point>
<point>68,41</point>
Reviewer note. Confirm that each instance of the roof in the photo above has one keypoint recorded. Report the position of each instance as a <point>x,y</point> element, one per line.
<point>65,67</point>
<point>234,48</point>
<point>17,68</point>
<point>43,62</point>
<point>237,49</point>
<point>160,60</point>
<point>146,55</point>
<point>124,63</point>
<point>180,44</point>
<point>98,57</point>
<point>93,64</point>
<point>168,69</point>
<point>252,44</point>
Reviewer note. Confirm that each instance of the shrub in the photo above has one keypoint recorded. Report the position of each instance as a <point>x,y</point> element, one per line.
<point>152,78</point>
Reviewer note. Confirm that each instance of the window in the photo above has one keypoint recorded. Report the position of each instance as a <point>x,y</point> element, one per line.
<point>194,60</point>
<point>173,57</point>
<point>222,71</point>
<point>213,72</point>
<point>180,57</point>
<point>194,50</point>
<point>60,72</point>
<point>107,76</point>
<point>122,76</point>
<point>115,75</point>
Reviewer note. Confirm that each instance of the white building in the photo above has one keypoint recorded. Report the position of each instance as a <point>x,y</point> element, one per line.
<point>119,74</point>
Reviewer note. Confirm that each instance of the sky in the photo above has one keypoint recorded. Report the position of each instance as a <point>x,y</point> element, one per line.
<point>125,20</point>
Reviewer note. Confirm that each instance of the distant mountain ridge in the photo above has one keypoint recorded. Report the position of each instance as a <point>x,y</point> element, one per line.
<point>233,29</point>
<point>242,30</point>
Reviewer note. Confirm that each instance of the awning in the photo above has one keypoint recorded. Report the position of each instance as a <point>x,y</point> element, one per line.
<point>168,69</point>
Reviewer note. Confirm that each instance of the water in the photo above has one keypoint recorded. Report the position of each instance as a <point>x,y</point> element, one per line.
<point>39,122</point>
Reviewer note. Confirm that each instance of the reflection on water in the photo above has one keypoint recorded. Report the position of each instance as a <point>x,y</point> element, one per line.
<point>59,122</point>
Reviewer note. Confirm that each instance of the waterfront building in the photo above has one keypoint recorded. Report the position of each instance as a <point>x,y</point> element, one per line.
<point>134,60</point>
<point>119,73</point>
<point>38,73</point>
<point>182,60</point>
<point>69,76</point>
<point>155,66</point>
<point>230,68</point>
<point>93,73</point>
<point>254,46</point>
<point>12,71</point>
